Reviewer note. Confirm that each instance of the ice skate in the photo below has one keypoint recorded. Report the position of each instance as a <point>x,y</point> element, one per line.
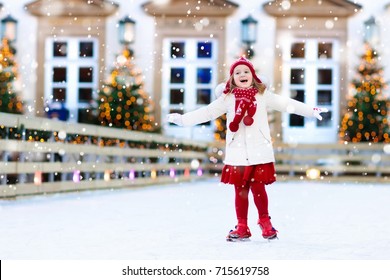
<point>268,231</point>
<point>241,233</point>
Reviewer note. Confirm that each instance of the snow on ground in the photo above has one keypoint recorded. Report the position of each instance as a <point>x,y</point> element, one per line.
<point>189,221</point>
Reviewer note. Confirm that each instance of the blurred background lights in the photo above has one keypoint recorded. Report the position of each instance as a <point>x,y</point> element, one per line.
<point>376,158</point>
<point>38,178</point>
<point>313,173</point>
<point>107,175</point>
<point>195,164</point>
<point>161,2</point>
<point>132,174</point>
<point>329,24</point>
<point>76,176</point>
<point>386,148</point>
<point>286,5</point>
<point>62,134</point>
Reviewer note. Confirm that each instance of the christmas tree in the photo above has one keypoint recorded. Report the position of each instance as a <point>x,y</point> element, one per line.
<point>366,119</point>
<point>123,103</point>
<point>220,130</point>
<point>9,101</point>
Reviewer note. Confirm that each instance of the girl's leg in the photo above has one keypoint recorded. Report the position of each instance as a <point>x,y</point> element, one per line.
<point>261,201</point>
<point>242,231</point>
<point>241,203</point>
<point>261,198</point>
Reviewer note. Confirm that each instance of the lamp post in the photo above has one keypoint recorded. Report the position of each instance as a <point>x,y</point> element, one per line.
<point>8,28</point>
<point>249,35</point>
<point>371,34</point>
<point>126,34</point>
<point>126,31</point>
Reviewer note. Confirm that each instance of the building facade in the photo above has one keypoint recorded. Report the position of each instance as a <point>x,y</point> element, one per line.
<point>304,49</point>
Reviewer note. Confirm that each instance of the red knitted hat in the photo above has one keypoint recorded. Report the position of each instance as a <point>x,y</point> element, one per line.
<point>242,61</point>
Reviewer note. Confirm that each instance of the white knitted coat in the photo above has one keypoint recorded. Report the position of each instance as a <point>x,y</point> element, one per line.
<point>249,145</point>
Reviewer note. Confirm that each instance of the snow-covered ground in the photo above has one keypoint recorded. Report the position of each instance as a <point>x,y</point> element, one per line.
<point>189,221</point>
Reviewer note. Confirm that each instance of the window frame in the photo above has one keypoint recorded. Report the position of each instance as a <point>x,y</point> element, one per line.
<point>311,63</point>
<point>191,63</point>
<point>72,62</point>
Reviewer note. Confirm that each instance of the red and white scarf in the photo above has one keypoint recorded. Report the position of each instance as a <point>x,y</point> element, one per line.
<point>245,105</point>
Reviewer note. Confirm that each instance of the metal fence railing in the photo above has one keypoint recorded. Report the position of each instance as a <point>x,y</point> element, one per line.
<point>40,155</point>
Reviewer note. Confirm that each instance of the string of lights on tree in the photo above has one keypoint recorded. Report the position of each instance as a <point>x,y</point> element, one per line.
<point>123,103</point>
<point>367,116</point>
<point>9,100</point>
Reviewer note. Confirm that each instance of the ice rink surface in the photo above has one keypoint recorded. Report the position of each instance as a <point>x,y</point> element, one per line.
<point>189,221</point>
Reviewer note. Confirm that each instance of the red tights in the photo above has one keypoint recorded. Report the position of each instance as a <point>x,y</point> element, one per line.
<point>242,202</point>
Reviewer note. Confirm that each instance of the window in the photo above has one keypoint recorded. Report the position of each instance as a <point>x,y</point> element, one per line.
<point>177,75</point>
<point>71,74</point>
<point>85,74</point>
<point>324,97</point>
<point>204,50</point>
<point>324,76</point>
<point>86,49</point>
<point>296,120</point>
<point>177,50</point>
<point>204,75</point>
<point>325,50</point>
<point>188,80</point>
<point>177,96</point>
<point>85,94</point>
<point>59,74</point>
<point>60,49</point>
<point>326,120</point>
<point>298,50</point>
<point>203,96</point>
<point>59,94</point>
<point>297,76</point>
<point>310,75</point>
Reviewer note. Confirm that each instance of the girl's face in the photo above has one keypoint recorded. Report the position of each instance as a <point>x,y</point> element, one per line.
<point>242,76</point>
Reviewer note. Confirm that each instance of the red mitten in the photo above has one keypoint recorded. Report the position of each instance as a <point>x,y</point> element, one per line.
<point>240,111</point>
<point>248,120</point>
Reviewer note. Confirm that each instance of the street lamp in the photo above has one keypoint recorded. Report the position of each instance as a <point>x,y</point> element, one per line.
<point>126,31</point>
<point>371,34</point>
<point>249,34</point>
<point>8,28</point>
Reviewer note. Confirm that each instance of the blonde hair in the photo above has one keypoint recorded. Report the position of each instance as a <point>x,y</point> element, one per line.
<point>259,86</point>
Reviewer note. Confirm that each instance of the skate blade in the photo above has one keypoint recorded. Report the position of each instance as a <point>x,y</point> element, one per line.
<point>271,238</point>
<point>230,239</point>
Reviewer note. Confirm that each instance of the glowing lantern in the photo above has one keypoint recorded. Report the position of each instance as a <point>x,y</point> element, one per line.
<point>76,176</point>
<point>38,177</point>
<point>172,173</point>
<point>132,174</point>
<point>313,173</point>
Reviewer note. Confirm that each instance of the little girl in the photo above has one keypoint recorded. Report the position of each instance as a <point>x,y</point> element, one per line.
<point>249,157</point>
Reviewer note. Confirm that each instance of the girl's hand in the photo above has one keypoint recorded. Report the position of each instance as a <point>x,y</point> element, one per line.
<point>318,111</point>
<point>175,118</point>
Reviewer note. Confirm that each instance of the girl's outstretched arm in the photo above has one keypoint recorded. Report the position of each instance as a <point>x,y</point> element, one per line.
<point>289,105</point>
<point>204,114</point>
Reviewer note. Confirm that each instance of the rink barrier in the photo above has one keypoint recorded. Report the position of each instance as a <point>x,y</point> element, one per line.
<point>36,160</point>
<point>40,156</point>
<point>339,162</point>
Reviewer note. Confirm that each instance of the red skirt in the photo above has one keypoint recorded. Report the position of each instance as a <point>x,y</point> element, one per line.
<point>238,175</point>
